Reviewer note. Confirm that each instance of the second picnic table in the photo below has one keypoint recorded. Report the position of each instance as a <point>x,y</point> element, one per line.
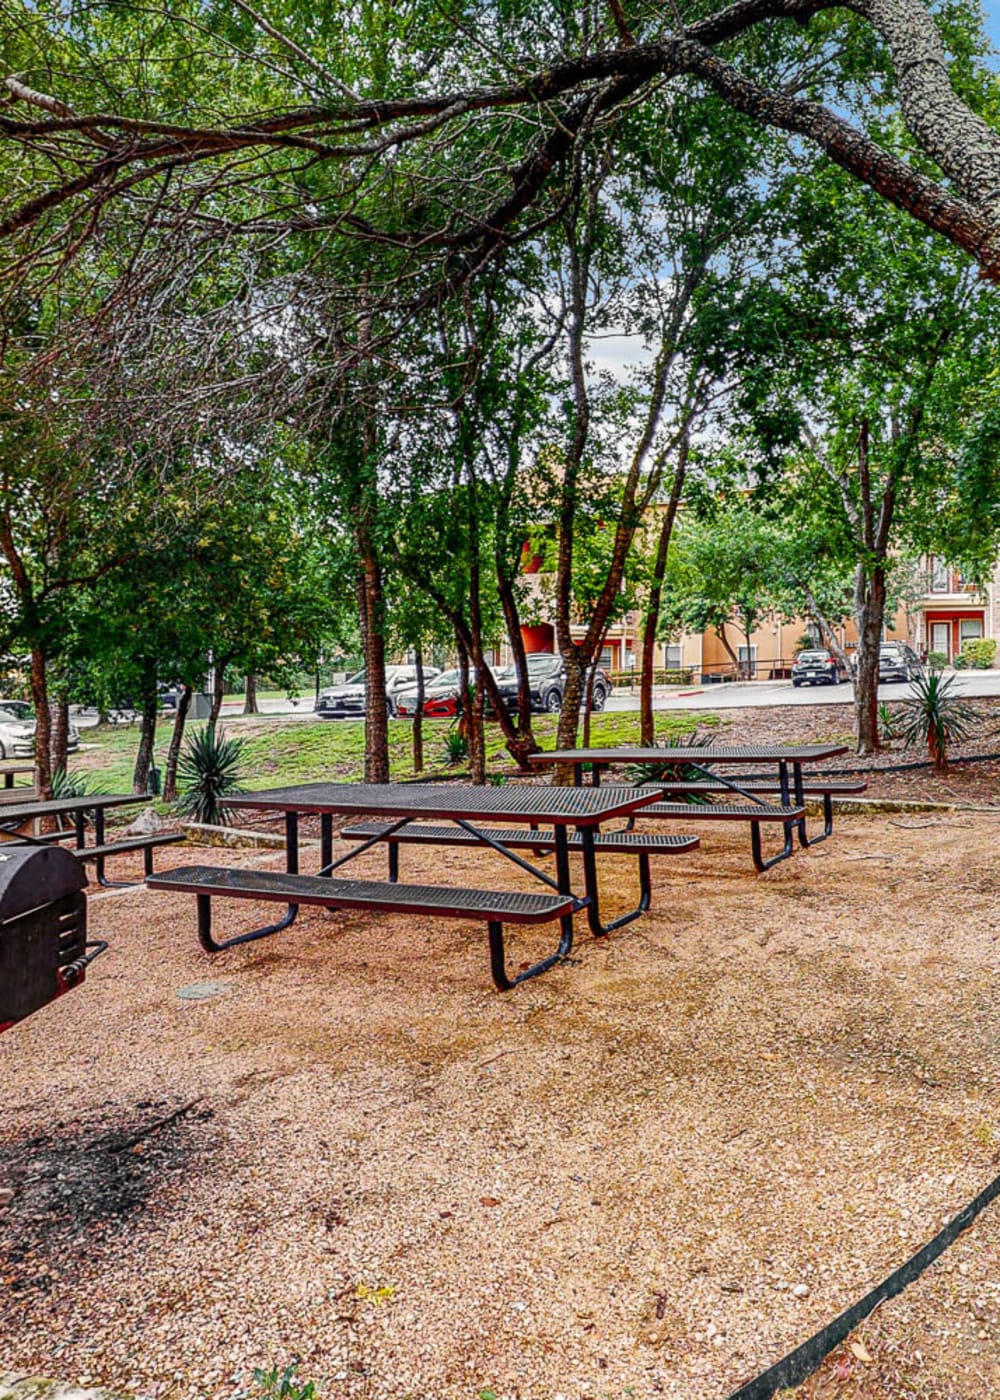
<point>77,810</point>
<point>787,783</point>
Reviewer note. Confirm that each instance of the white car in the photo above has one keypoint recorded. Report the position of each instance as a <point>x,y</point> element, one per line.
<point>17,735</point>
<point>347,701</point>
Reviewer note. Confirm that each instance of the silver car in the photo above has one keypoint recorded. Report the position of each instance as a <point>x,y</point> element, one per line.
<point>347,701</point>
<point>17,734</point>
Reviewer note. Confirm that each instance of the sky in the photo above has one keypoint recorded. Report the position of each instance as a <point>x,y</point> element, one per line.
<point>991,9</point>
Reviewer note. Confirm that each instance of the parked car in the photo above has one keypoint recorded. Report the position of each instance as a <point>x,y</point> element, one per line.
<point>23,709</point>
<point>547,682</point>
<point>348,700</point>
<point>17,733</point>
<point>896,662</point>
<point>817,668</point>
<point>441,694</point>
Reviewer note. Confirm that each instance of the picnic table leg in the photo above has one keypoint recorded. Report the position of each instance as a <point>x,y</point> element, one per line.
<point>783,854</point>
<point>498,968</point>
<point>205,902</point>
<point>325,841</point>
<point>598,929</point>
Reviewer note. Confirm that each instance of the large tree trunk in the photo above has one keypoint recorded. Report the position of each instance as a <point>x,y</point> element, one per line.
<point>371,610</point>
<point>519,738</point>
<point>250,706</point>
<point>218,691</point>
<point>870,621</point>
<point>418,713</point>
<point>176,738</point>
<point>147,733</point>
<point>60,733</point>
<point>43,722</point>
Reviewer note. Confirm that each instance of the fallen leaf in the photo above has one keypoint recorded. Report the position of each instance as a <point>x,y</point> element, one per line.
<point>488,1201</point>
<point>859,1350</point>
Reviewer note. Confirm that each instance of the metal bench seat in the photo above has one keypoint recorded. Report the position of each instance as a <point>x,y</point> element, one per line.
<point>753,812</point>
<point>814,786</point>
<point>146,844</point>
<point>495,907</point>
<point>625,842</point>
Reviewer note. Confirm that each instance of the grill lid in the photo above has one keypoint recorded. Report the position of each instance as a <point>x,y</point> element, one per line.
<point>31,876</point>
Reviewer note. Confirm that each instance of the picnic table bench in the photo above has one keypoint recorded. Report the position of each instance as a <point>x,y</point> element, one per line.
<point>816,786</point>
<point>640,844</point>
<point>10,792</point>
<point>493,907</point>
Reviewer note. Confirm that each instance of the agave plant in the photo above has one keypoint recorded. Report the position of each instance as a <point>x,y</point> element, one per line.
<point>65,784</point>
<point>931,715</point>
<point>208,773</point>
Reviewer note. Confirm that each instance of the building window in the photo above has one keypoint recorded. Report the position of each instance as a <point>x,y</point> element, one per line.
<point>748,662</point>
<point>606,658</point>
<point>672,657</point>
<point>938,573</point>
<point>970,629</point>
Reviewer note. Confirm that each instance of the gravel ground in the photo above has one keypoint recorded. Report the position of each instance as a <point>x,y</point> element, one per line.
<point>650,1173</point>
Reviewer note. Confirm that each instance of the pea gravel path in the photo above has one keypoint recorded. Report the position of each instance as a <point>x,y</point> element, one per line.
<point>650,1173</point>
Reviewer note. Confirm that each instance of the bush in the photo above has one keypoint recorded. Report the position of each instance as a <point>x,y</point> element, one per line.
<point>456,748</point>
<point>961,663</point>
<point>981,653</point>
<point>937,660</point>
<point>886,723</point>
<point>208,773</point>
<point>931,715</point>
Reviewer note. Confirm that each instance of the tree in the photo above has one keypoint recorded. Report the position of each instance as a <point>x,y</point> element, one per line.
<point>357,100</point>
<point>724,574</point>
<point>878,334</point>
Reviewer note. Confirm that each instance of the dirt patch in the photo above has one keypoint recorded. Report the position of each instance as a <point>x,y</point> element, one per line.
<point>652,1172</point>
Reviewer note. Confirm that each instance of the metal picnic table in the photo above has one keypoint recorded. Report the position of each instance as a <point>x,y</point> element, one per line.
<point>77,810</point>
<point>788,761</point>
<point>466,806</point>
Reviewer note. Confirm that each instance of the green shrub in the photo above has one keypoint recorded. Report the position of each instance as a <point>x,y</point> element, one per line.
<point>281,1385</point>
<point>456,748</point>
<point>932,716</point>
<point>961,662</point>
<point>981,653</point>
<point>208,773</point>
<point>65,784</point>
<point>886,723</point>
<point>937,660</point>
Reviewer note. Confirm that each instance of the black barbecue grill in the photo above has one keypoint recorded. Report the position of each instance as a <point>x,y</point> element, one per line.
<point>43,928</point>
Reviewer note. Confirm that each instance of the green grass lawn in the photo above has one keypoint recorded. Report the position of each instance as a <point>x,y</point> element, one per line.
<point>283,751</point>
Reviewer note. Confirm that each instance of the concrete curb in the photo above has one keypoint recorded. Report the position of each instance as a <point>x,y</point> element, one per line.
<point>892,804</point>
<point>207,835</point>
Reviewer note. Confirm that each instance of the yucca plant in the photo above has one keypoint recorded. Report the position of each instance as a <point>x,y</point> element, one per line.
<point>887,723</point>
<point>208,773</point>
<point>66,784</point>
<point>456,748</point>
<point>931,715</point>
